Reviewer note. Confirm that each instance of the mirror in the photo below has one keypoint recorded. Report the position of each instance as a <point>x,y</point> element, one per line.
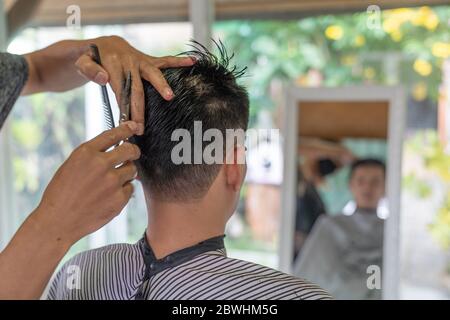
<point>341,206</point>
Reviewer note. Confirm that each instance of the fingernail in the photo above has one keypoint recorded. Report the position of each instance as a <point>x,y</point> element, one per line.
<point>140,130</point>
<point>194,59</point>
<point>169,93</point>
<point>133,126</point>
<point>101,78</point>
<point>138,153</point>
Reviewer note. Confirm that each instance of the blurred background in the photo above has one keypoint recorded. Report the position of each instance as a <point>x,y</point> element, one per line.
<point>310,43</point>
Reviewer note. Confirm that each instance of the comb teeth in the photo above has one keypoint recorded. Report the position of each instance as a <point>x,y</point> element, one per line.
<point>108,119</point>
<point>107,112</point>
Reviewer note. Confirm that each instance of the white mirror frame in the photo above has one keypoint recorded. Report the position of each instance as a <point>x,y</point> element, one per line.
<point>394,96</point>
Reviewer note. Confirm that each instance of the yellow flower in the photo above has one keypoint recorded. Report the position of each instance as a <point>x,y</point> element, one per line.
<point>348,60</point>
<point>401,14</point>
<point>422,67</point>
<point>397,35</point>
<point>425,17</point>
<point>419,91</point>
<point>390,25</point>
<point>360,41</point>
<point>334,32</point>
<point>395,18</point>
<point>369,73</point>
<point>431,22</point>
<point>441,49</point>
<point>419,16</point>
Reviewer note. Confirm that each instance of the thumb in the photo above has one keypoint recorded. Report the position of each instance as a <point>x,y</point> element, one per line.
<point>91,70</point>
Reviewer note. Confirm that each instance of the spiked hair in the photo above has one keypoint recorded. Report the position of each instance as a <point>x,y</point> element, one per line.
<point>206,92</point>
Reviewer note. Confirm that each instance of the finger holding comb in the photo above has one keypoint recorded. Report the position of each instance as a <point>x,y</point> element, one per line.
<point>109,118</point>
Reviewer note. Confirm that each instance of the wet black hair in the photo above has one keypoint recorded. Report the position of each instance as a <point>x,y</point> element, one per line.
<point>208,92</point>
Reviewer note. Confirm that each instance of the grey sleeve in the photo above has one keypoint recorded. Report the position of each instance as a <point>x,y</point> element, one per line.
<point>13,76</point>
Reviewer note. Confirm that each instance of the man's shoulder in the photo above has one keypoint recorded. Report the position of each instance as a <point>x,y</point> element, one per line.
<point>101,265</point>
<point>104,257</point>
<point>111,251</point>
<point>334,222</point>
<point>264,282</point>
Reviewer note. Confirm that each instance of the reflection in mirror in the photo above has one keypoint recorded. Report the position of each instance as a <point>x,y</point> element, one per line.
<point>339,215</point>
<point>341,199</point>
<point>328,208</point>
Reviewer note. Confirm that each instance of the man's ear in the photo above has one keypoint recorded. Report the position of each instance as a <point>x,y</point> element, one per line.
<point>235,168</point>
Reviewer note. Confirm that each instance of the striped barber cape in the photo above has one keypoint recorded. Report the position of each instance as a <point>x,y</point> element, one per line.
<point>200,272</point>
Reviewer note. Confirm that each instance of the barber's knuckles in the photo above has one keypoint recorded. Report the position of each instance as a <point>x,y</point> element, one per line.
<point>167,61</point>
<point>95,163</point>
<point>111,137</point>
<point>127,172</point>
<point>131,150</point>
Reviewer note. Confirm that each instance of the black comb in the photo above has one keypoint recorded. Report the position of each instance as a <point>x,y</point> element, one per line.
<point>109,118</point>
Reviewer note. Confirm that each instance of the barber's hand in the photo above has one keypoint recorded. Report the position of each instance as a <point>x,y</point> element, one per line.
<point>118,57</point>
<point>89,190</point>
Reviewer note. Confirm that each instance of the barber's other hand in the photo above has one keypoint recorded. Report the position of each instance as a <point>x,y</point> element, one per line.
<point>118,57</point>
<point>89,190</point>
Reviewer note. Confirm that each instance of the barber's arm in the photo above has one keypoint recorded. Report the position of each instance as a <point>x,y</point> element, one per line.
<point>86,192</point>
<point>68,64</point>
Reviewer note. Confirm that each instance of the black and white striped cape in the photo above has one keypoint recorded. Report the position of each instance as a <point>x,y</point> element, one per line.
<point>203,271</point>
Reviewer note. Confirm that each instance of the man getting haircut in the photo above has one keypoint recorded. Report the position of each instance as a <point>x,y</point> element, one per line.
<point>342,248</point>
<point>182,253</point>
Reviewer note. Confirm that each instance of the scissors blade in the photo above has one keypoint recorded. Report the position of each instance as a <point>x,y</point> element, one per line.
<point>126,99</point>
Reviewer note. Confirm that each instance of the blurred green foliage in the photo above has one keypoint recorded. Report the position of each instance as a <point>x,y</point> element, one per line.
<point>436,161</point>
<point>340,48</point>
<point>440,228</point>
<point>45,129</point>
<point>417,186</point>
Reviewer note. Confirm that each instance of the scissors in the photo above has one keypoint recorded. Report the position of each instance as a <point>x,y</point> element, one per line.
<point>125,99</point>
<point>124,106</point>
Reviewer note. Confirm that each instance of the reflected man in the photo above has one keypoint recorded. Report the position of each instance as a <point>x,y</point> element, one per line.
<point>340,248</point>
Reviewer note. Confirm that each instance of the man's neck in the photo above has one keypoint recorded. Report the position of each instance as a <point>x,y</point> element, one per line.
<point>173,226</point>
